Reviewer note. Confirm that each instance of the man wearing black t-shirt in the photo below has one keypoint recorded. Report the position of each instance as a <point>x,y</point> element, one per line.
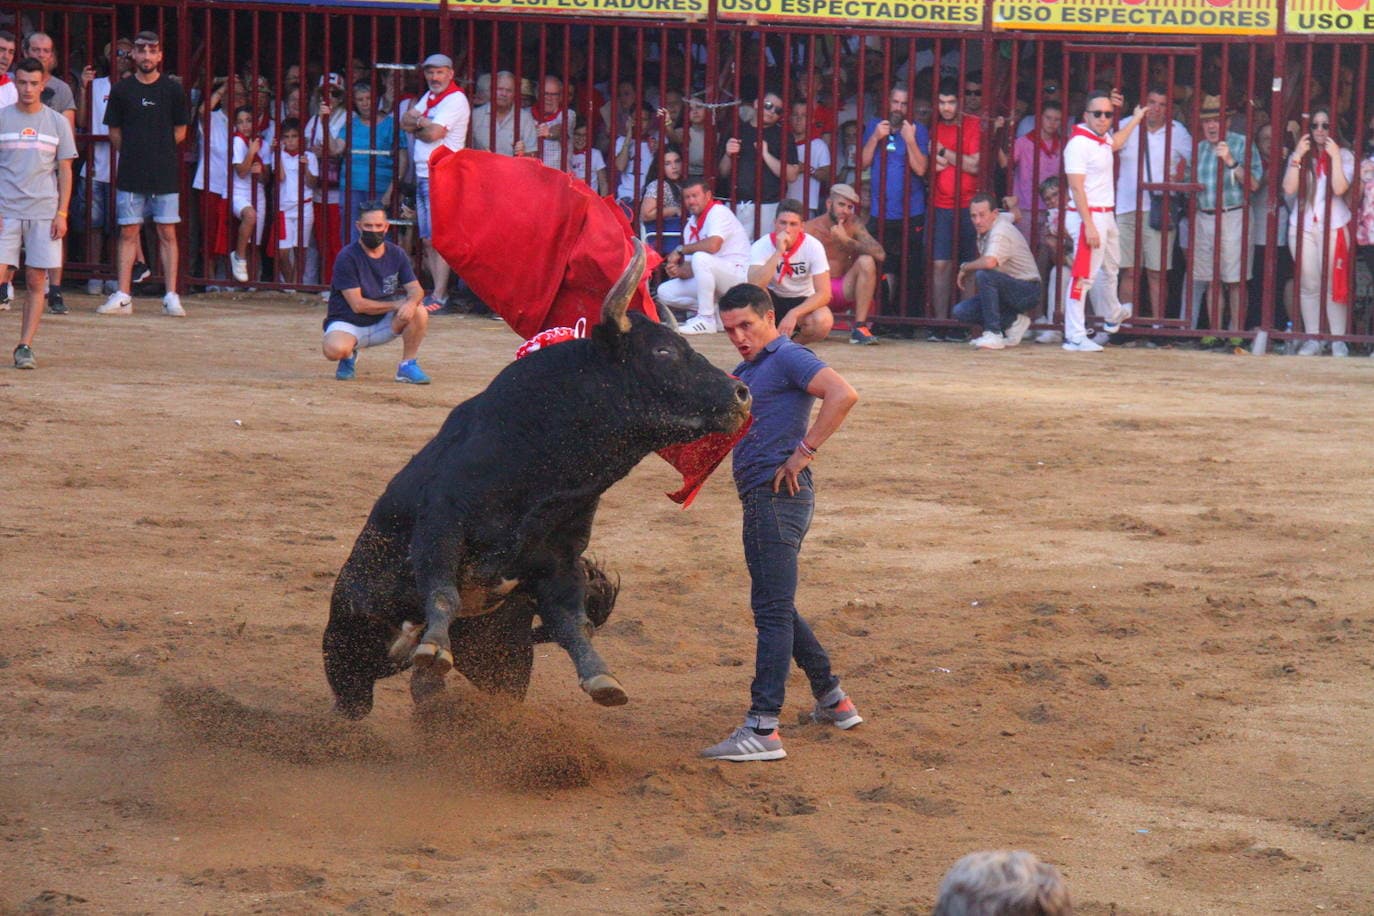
<point>762,163</point>
<point>373,299</point>
<point>147,117</point>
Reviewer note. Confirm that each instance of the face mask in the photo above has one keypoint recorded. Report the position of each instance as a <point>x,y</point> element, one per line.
<point>371,240</point>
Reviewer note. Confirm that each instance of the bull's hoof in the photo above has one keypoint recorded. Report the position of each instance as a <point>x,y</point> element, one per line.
<point>403,646</point>
<point>433,658</point>
<point>606,690</point>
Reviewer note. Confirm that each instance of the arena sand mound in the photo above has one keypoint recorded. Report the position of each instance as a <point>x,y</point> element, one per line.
<point>305,738</point>
<point>522,746</point>
<point>515,745</point>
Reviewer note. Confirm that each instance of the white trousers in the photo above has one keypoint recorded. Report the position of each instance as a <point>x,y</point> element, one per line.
<point>1318,258</point>
<point>1102,267</point>
<point>711,277</point>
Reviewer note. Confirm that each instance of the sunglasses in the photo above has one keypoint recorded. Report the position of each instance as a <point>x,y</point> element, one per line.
<point>1099,114</point>
<point>973,92</point>
<point>1051,87</point>
<point>1321,125</point>
<point>769,106</point>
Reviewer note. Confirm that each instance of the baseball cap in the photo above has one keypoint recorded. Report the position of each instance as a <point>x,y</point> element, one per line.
<point>846,192</point>
<point>332,79</point>
<point>147,38</point>
<point>437,60</point>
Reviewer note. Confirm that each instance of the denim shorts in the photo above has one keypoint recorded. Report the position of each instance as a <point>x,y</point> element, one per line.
<point>942,244</point>
<point>422,207</point>
<point>132,208</point>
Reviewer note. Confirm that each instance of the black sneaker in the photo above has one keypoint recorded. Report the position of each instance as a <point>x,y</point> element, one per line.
<point>141,272</point>
<point>55,304</point>
<point>23,357</point>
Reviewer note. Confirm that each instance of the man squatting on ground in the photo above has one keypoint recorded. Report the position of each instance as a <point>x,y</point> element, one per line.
<point>1006,275</point>
<point>713,257</point>
<point>36,143</point>
<point>792,268</point>
<point>1089,165</point>
<point>854,256</point>
<point>773,476</point>
<point>373,298</point>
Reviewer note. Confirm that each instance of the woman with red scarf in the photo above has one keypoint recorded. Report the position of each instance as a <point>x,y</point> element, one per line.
<point>1319,174</point>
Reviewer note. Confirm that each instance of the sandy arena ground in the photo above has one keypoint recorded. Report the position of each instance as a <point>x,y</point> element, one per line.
<point>1111,608</point>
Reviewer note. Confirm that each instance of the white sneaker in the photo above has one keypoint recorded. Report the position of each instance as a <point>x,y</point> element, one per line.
<point>1339,348</point>
<point>1113,324</point>
<point>118,304</point>
<point>171,305</point>
<point>238,267</point>
<point>1082,346</point>
<point>94,286</point>
<point>1310,348</point>
<point>1049,337</point>
<point>1018,330</point>
<point>990,340</point>
<point>1102,338</point>
<point>698,326</point>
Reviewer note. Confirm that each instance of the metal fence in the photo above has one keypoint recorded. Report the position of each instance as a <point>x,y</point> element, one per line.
<point>620,76</point>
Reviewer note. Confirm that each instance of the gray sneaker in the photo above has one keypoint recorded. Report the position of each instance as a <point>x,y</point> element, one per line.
<point>743,744</point>
<point>23,359</point>
<point>843,715</point>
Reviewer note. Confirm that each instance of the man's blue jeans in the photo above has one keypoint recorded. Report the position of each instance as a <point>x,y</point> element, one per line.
<point>774,526</point>
<point>1000,298</point>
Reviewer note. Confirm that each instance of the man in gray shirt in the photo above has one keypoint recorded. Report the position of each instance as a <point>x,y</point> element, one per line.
<point>36,152</point>
<point>1007,277</point>
<point>58,96</point>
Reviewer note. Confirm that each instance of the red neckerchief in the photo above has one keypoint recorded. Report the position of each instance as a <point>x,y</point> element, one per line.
<point>4,79</point>
<point>1045,147</point>
<point>436,99</point>
<point>256,157</point>
<point>786,269</point>
<point>695,230</point>
<point>1082,131</point>
<point>1322,164</point>
<point>537,112</point>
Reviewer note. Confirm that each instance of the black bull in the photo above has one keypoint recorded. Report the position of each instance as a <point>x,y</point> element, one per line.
<point>499,507</point>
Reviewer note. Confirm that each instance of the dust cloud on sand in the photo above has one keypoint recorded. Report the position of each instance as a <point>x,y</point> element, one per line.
<point>1111,608</point>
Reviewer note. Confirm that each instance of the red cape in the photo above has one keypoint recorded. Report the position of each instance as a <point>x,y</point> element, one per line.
<point>535,244</point>
<point>542,250</point>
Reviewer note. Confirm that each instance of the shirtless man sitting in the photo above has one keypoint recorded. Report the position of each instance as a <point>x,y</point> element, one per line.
<point>854,258</point>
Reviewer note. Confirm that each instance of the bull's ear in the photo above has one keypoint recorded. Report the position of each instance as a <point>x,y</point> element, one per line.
<point>617,301</point>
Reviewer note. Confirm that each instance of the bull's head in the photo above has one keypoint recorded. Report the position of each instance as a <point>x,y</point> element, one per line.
<point>667,385</point>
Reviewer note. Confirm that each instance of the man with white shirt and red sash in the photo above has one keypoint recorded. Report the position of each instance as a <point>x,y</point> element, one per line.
<point>713,257</point>
<point>1089,160</point>
<point>795,270</point>
<point>438,118</point>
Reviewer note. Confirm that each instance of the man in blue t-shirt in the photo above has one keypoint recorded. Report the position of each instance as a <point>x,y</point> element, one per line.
<point>898,148</point>
<point>772,467</point>
<point>374,298</point>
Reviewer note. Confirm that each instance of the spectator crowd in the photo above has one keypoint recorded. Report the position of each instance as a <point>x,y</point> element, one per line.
<point>909,173</point>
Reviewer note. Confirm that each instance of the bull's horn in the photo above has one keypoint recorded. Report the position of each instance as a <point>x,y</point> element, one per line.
<point>618,299</point>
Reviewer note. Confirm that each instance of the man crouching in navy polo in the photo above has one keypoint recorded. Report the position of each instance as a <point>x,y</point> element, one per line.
<point>374,298</point>
<point>772,467</point>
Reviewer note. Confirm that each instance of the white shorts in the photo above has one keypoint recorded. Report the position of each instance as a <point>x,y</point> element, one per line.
<point>240,205</point>
<point>1128,226</point>
<point>35,235</point>
<point>1204,245</point>
<point>373,335</point>
<point>295,230</point>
